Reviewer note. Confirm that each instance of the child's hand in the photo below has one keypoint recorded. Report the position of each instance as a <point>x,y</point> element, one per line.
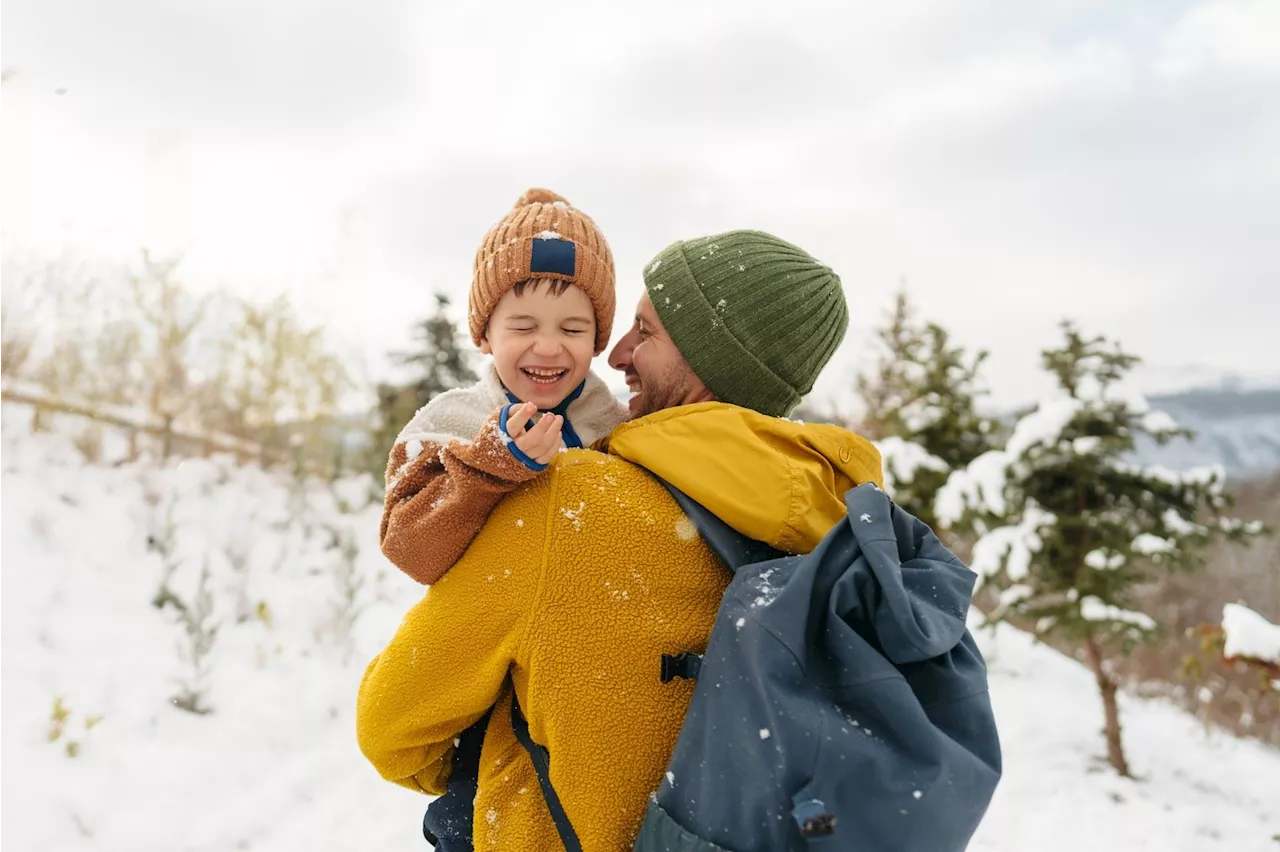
<point>542,442</point>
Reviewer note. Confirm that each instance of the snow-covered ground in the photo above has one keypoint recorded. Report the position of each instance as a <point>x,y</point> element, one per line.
<point>302,598</point>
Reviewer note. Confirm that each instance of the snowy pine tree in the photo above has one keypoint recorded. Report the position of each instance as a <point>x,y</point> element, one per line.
<point>1070,528</point>
<point>921,408</point>
<point>441,361</point>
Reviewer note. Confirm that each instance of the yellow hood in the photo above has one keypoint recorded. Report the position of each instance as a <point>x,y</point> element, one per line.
<point>776,480</point>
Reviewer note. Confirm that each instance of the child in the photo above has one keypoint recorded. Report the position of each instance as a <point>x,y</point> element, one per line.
<point>541,304</point>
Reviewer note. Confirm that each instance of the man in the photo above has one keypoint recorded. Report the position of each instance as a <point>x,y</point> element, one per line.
<point>583,578</point>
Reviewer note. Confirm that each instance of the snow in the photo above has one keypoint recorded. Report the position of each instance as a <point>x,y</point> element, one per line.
<point>1152,545</point>
<point>1093,609</point>
<point>1043,427</point>
<point>275,766</point>
<point>685,529</point>
<point>1159,423</point>
<point>1212,475</point>
<point>1248,634</point>
<point>1232,525</point>
<point>1016,594</point>
<point>1086,445</point>
<point>762,583</point>
<point>503,437</point>
<point>920,414</point>
<point>574,516</point>
<point>1103,560</point>
<point>978,487</point>
<point>549,235</point>
<point>1011,547</point>
<point>1194,792</point>
<point>1179,525</point>
<point>902,459</point>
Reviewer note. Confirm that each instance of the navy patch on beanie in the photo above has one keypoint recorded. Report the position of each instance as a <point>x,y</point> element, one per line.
<point>553,256</point>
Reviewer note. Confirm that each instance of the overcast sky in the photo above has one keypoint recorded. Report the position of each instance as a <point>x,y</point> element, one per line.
<point>1109,160</point>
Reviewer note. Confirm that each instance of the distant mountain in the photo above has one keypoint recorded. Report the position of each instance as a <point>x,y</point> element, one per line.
<point>1235,427</point>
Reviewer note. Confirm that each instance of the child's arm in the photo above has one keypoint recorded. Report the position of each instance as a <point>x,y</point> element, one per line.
<point>438,500</point>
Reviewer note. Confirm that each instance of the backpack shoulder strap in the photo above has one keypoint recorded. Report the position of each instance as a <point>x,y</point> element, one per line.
<point>733,548</point>
<point>541,760</point>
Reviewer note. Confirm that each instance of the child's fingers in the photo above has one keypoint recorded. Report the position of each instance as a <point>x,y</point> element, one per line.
<point>541,438</point>
<point>553,440</point>
<point>548,424</point>
<point>550,449</point>
<point>520,415</point>
<point>544,439</point>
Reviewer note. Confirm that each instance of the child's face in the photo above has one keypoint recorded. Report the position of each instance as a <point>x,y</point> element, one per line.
<point>542,343</point>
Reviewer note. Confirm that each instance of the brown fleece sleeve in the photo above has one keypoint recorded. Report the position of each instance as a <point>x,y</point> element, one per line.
<point>443,498</point>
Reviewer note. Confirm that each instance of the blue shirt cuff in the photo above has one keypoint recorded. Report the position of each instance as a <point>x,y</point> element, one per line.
<point>503,417</point>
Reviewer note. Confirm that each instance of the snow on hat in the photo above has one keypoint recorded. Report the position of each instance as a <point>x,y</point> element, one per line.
<point>755,317</point>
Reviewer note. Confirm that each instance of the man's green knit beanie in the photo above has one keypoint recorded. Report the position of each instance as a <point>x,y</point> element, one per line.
<point>755,317</point>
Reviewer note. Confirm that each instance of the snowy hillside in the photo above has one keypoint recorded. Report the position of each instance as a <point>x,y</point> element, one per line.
<point>97,757</point>
<point>1238,429</point>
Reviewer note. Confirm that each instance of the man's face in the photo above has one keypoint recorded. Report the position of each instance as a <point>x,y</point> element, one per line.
<point>656,372</point>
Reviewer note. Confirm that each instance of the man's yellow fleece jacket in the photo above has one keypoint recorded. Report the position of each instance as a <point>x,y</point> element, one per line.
<point>578,584</point>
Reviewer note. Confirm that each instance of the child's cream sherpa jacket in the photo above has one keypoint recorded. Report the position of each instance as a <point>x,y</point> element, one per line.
<point>453,462</point>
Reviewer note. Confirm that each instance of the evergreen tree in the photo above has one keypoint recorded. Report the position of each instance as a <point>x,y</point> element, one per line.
<point>439,362</point>
<point>1071,528</point>
<point>921,407</point>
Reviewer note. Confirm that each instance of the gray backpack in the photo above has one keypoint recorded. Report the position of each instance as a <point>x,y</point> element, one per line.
<point>841,702</point>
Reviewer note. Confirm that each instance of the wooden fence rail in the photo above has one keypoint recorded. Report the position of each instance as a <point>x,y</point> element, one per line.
<point>172,438</point>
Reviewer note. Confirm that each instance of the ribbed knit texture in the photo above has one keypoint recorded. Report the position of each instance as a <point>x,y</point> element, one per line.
<point>756,317</point>
<point>504,258</point>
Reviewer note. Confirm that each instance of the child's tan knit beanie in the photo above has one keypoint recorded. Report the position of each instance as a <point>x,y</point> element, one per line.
<point>543,237</point>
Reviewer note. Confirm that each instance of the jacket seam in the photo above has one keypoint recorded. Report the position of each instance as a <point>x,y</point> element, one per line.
<point>793,501</point>
<point>944,703</point>
<point>540,588</point>
<point>895,676</point>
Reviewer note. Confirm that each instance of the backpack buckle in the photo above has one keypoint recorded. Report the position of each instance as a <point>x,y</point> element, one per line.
<point>814,819</point>
<point>683,665</point>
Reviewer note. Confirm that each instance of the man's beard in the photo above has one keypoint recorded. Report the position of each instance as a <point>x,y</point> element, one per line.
<point>660,392</point>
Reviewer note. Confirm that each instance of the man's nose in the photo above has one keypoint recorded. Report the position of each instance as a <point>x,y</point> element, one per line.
<point>620,357</point>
